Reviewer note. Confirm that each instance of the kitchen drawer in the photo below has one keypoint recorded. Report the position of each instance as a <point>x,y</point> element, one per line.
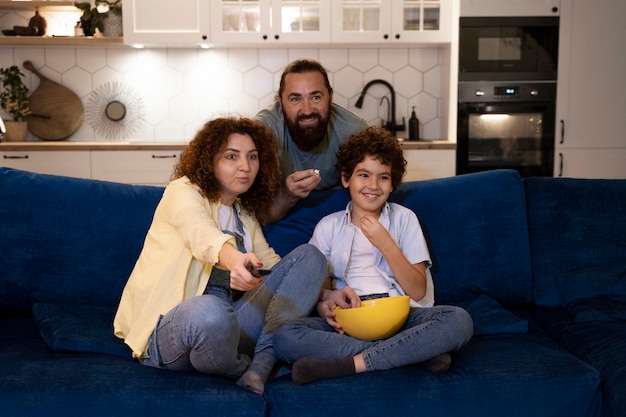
<point>152,167</point>
<point>67,163</point>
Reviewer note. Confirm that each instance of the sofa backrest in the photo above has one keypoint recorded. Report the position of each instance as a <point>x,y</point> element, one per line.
<point>475,226</point>
<point>67,239</point>
<point>578,238</point>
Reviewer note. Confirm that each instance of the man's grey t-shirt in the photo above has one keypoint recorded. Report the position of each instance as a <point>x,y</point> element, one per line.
<point>341,125</point>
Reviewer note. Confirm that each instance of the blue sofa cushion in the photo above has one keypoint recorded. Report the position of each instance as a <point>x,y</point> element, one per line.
<point>297,227</point>
<point>36,381</point>
<point>600,308</point>
<point>81,328</point>
<point>490,317</point>
<point>513,375</point>
<point>477,233</point>
<point>577,234</point>
<point>69,240</point>
<point>599,343</point>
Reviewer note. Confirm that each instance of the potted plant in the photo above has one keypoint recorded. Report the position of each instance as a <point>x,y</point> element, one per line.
<point>14,100</point>
<point>106,16</point>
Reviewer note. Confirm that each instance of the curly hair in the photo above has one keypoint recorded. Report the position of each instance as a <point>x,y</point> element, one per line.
<point>374,142</point>
<point>197,162</point>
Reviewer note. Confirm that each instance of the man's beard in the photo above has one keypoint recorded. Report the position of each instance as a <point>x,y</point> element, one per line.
<point>307,138</point>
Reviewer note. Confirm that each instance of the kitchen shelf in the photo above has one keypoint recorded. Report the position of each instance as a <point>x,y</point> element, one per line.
<point>30,5</point>
<point>60,41</point>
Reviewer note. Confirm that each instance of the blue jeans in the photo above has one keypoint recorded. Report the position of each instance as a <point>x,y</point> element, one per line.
<point>427,333</point>
<point>214,335</point>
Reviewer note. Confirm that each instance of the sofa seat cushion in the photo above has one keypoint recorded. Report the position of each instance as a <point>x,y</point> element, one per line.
<point>600,343</point>
<point>490,317</point>
<point>513,375</point>
<point>37,381</point>
<point>600,308</point>
<point>80,328</point>
<point>577,232</point>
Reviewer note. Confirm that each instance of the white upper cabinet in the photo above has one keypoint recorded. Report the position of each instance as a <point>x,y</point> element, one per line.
<point>192,23</point>
<point>389,21</point>
<point>270,21</point>
<point>484,8</point>
<point>166,23</point>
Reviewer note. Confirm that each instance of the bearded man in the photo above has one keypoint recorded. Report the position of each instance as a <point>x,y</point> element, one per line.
<point>308,128</point>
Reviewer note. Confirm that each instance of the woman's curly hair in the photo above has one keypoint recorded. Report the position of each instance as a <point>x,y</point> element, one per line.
<point>197,162</point>
<point>374,142</point>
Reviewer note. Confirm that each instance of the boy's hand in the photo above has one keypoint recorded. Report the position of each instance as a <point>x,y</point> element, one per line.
<point>375,232</point>
<point>344,297</point>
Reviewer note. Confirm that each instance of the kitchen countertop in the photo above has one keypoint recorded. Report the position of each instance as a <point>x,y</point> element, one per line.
<point>151,146</point>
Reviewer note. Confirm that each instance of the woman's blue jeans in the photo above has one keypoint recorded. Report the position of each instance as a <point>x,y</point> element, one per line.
<point>214,335</point>
<point>427,333</point>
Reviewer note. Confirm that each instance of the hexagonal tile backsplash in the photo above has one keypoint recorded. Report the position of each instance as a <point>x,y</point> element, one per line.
<point>179,89</point>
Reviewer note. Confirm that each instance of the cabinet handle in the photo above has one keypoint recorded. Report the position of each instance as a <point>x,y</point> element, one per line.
<point>562,132</point>
<point>385,36</point>
<point>560,164</point>
<point>15,156</point>
<point>163,156</point>
<point>276,37</point>
<point>397,36</point>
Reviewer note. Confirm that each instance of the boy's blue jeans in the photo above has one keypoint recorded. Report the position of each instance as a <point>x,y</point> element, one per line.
<point>212,334</point>
<point>427,333</point>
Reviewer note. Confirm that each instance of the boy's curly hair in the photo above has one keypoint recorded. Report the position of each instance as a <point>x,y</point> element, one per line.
<point>197,162</point>
<point>377,143</point>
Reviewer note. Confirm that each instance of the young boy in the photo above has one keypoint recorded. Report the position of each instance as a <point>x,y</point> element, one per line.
<point>374,249</point>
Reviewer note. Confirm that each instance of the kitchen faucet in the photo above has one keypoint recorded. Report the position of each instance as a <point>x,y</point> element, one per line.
<point>391,125</point>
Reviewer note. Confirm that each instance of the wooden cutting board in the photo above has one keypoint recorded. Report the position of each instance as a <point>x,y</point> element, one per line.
<point>57,110</point>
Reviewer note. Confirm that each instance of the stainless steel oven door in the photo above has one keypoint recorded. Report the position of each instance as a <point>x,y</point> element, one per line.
<point>506,134</point>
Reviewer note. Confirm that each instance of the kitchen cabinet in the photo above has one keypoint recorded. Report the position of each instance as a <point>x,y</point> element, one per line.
<point>151,167</point>
<point>141,164</point>
<point>270,21</point>
<point>392,21</point>
<point>425,164</point>
<point>591,94</point>
<point>485,8</point>
<point>591,163</point>
<point>164,23</point>
<point>67,163</point>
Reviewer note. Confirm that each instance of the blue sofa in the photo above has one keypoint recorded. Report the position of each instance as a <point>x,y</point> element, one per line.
<point>539,263</point>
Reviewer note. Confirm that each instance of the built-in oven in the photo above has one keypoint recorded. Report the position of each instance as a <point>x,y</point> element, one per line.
<point>506,125</point>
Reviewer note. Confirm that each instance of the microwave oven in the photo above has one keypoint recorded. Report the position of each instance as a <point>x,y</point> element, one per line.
<point>508,48</point>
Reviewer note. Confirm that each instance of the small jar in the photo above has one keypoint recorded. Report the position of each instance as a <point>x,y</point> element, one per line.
<point>78,29</point>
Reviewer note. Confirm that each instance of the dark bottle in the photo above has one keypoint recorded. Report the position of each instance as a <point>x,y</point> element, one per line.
<point>414,126</point>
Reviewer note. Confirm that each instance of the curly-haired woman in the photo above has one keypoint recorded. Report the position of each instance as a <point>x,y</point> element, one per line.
<point>196,298</point>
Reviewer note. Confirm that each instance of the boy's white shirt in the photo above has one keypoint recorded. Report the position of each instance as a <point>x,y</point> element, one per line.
<point>334,237</point>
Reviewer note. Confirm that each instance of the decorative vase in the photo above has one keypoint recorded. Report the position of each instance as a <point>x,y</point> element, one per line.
<point>16,131</point>
<point>112,25</point>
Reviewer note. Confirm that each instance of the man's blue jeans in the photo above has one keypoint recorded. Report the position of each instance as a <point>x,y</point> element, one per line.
<point>214,335</point>
<point>427,333</point>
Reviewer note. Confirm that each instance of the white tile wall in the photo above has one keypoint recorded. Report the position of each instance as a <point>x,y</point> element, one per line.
<point>179,89</point>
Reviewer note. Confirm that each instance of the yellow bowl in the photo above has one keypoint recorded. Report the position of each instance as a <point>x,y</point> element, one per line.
<point>375,319</point>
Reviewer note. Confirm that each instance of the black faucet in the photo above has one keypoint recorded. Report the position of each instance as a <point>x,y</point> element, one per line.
<point>391,125</point>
